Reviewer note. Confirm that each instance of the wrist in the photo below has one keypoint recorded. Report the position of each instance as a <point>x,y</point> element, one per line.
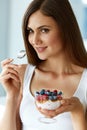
<point>78,120</point>
<point>78,115</point>
<point>78,111</point>
<point>12,99</point>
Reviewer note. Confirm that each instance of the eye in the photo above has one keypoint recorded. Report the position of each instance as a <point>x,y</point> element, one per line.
<point>44,30</point>
<point>30,31</point>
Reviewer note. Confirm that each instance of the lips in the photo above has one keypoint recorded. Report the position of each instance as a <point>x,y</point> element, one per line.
<point>40,49</point>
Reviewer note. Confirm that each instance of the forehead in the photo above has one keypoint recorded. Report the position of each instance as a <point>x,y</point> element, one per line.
<point>38,19</point>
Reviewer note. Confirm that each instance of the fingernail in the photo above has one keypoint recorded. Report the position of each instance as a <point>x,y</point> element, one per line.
<point>10,59</point>
<point>62,101</point>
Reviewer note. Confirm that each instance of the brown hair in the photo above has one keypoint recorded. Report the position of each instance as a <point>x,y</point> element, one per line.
<point>62,13</point>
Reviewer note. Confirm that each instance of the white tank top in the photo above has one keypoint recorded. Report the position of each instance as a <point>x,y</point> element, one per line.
<point>29,114</point>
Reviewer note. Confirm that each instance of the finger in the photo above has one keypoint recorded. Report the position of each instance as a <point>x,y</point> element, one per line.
<point>67,105</point>
<point>40,110</point>
<point>9,76</point>
<point>74,99</point>
<point>6,61</point>
<point>65,102</point>
<point>63,109</point>
<point>48,113</point>
<point>14,66</point>
<point>9,70</point>
<point>70,101</point>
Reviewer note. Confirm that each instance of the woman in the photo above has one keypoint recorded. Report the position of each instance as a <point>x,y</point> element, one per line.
<point>56,53</point>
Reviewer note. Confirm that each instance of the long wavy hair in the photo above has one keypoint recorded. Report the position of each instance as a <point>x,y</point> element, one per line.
<point>62,13</point>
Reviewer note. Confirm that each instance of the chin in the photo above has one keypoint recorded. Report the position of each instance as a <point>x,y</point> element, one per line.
<point>42,58</point>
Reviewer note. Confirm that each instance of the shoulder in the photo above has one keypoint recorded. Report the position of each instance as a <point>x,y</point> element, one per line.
<point>24,69</point>
<point>21,71</point>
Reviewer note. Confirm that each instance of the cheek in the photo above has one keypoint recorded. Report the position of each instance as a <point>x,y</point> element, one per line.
<point>54,41</point>
<point>30,40</point>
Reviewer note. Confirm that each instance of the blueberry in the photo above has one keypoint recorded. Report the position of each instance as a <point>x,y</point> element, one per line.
<point>37,93</point>
<point>48,93</point>
<point>59,93</point>
<point>50,97</point>
<point>54,94</point>
<point>51,93</point>
<point>42,92</point>
<point>54,97</point>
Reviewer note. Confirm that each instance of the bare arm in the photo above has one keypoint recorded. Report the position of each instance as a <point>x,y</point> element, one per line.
<point>11,119</point>
<point>18,120</point>
<point>8,121</point>
<point>86,119</point>
<point>11,78</point>
<point>79,122</point>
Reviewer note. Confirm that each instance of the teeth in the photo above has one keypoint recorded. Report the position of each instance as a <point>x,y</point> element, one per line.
<point>40,49</point>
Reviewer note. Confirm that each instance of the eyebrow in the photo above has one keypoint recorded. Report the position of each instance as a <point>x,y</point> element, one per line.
<point>39,27</point>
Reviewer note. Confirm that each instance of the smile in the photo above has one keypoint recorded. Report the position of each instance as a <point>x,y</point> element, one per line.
<point>40,49</point>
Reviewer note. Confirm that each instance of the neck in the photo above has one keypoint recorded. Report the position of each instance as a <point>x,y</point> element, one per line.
<point>59,65</point>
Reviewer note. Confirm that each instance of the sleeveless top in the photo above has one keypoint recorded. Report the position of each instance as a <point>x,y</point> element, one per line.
<point>30,115</point>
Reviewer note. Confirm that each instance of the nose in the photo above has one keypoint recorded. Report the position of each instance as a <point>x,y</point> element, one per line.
<point>36,40</point>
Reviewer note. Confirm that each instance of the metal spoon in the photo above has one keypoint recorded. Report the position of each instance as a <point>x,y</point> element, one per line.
<point>21,54</point>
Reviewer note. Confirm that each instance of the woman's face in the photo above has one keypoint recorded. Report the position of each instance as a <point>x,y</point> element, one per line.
<point>44,36</point>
